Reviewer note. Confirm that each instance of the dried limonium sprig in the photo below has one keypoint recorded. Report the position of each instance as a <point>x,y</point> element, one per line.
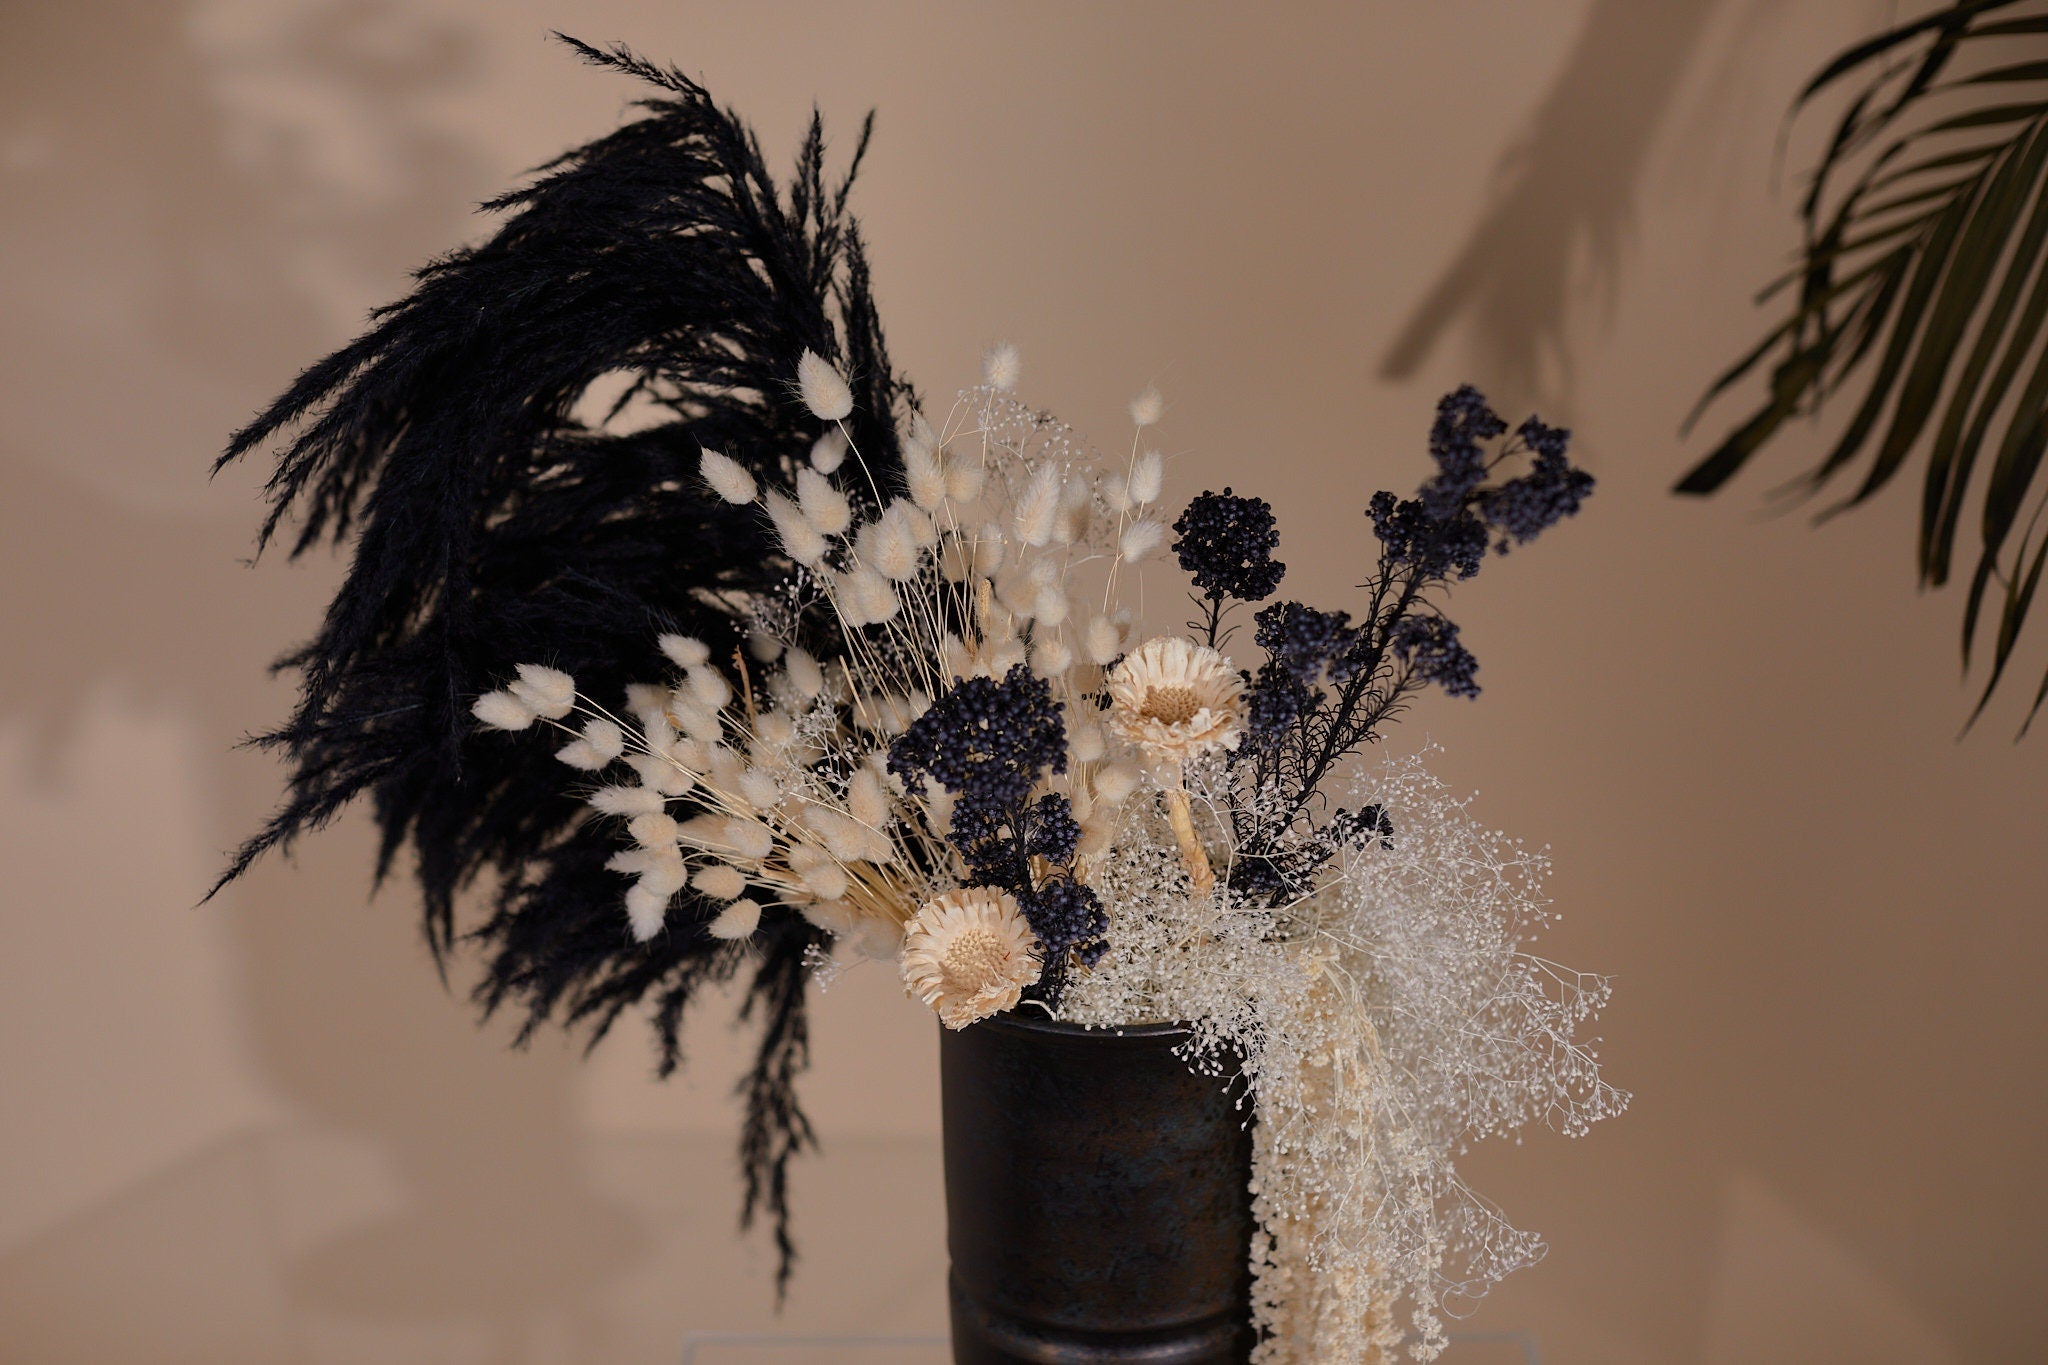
<point>942,745</point>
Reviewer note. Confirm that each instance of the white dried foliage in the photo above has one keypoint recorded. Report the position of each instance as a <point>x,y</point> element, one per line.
<point>804,673</point>
<point>1140,539</point>
<point>748,837</point>
<point>1049,606</point>
<point>866,801</point>
<point>1085,743</point>
<point>1148,478</point>
<point>865,597</point>
<point>800,540</point>
<point>654,830</point>
<point>826,881</point>
<point>661,773</point>
<point>721,881</point>
<point>664,873</point>
<point>890,547</point>
<point>645,911</point>
<point>580,754</point>
<point>684,651</point>
<point>1382,1026</point>
<point>708,688</point>
<point>924,475</point>
<point>643,699</point>
<point>1104,641</point>
<point>965,477</point>
<point>627,800</point>
<point>760,789</point>
<point>738,920</point>
<point>1038,510</point>
<point>1115,783</point>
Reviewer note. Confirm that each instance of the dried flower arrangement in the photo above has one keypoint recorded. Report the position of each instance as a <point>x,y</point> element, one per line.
<point>847,683</point>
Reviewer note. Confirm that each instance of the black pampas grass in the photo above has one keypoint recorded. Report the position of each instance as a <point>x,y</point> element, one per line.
<point>495,522</point>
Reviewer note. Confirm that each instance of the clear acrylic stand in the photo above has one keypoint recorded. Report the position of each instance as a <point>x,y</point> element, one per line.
<point>723,1348</point>
<point>733,1348</point>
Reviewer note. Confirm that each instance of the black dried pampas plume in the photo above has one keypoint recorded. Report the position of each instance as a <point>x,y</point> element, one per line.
<point>495,520</point>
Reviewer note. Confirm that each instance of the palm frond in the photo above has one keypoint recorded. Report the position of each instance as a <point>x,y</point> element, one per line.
<point>1920,287</point>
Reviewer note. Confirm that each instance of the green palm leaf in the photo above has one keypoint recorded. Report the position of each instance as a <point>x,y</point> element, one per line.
<point>1922,284</point>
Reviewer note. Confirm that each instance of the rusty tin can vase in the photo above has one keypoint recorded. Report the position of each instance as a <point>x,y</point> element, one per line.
<point>1097,1207</point>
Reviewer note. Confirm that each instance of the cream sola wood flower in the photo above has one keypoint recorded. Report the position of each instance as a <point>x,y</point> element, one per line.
<point>969,954</point>
<point>1176,700</point>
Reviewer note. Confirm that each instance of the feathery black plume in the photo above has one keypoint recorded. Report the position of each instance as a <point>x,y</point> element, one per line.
<point>496,522</point>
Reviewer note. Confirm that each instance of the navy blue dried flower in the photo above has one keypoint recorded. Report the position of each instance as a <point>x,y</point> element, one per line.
<point>1226,543</point>
<point>986,741</point>
<point>1456,442</point>
<point>1552,490</point>
<point>990,743</point>
<point>1309,645</point>
<point>1275,700</point>
<point>1054,832</point>
<point>1327,684</point>
<point>1429,645</point>
<point>1419,541</point>
<point>1066,915</point>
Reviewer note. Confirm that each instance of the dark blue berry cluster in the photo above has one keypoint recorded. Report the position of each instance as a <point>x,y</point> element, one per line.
<point>1067,915</point>
<point>1328,682</point>
<point>1448,548</point>
<point>1304,649</point>
<point>1552,490</point>
<point>990,743</point>
<point>1055,834</point>
<point>1226,544</point>
<point>1464,423</point>
<point>1429,646</point>
<point>1445,530</point>
<point>985,741</point>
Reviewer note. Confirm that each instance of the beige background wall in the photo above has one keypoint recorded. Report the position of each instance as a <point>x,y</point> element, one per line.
<point>263,1131</point>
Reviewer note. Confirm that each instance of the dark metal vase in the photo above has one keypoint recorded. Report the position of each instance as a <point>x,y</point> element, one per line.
<point>1097,1208</point>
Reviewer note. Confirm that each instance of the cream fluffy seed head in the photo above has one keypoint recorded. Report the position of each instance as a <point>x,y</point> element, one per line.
<point>1002,366</point>
<point>728,478</point>
<point>824,506</point>
<point>824,389</point>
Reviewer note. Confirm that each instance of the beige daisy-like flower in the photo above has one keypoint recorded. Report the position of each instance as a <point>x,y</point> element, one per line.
<point>969,954</point>
<point>1176,699</point>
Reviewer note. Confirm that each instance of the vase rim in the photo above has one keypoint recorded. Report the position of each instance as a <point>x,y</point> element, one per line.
<point>1034,1022</point>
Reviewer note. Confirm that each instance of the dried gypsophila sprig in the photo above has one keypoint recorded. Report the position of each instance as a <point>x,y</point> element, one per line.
<point>1380,1025</point>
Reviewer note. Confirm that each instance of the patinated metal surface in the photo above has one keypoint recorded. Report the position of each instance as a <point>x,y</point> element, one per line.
<point>1096,1199</point>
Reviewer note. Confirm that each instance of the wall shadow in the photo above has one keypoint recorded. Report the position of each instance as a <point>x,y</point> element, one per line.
<point>178,236</point>
<point>1561,208</point>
